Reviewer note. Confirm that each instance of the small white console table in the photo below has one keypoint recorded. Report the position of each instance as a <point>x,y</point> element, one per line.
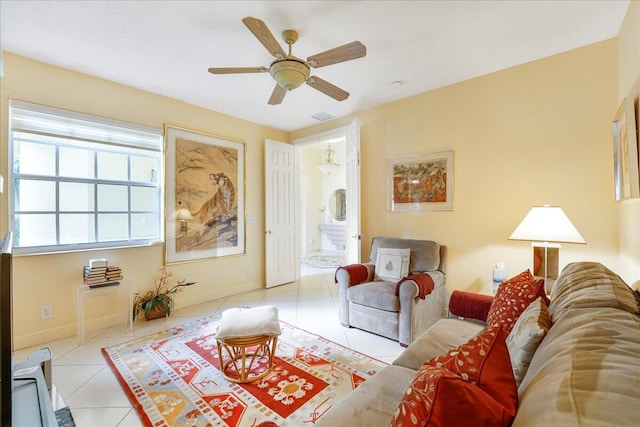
<point>85,290</point>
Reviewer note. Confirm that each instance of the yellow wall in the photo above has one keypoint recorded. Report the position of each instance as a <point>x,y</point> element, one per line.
<point>629,83</point>
<point>311,201</point>
<point>51,279</point>
<point>532,134</point>
<point>529,135</point>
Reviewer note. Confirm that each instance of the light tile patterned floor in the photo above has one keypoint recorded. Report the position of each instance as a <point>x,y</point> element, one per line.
<point>85,382</point>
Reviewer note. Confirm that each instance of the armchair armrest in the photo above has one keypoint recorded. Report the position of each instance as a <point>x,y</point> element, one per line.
<point>354,274</point>
<point>424,284</point>
<point>470,305</point>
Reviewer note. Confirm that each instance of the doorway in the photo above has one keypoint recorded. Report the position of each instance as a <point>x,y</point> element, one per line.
<point>322,204</point>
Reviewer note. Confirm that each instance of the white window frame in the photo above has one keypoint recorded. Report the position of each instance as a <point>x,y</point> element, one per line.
<point>78,128</point>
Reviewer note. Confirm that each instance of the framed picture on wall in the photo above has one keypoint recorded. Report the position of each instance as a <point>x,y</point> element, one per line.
<point>421,183</point>
<point>205,201</point>
<point>625,151</point>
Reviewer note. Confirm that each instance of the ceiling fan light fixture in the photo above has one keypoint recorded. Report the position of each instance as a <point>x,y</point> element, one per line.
<point>289,74</point>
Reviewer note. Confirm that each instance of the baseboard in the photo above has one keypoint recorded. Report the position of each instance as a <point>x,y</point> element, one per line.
<point>185,302</point>
<point>71,330</point>
<point>65,331</point>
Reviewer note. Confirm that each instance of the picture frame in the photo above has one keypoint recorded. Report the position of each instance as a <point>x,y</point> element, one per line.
<point>204,196</point>
<point>421,183</point>
<point>625,151</point>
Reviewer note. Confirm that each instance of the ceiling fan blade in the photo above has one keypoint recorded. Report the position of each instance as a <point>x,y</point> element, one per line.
<point>338,54</point>
<point>327,88</point>
<point>264,36</point>
<point>277,95</point>
<point>237,70</point>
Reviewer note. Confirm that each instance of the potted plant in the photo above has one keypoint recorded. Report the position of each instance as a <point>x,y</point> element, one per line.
<point>159,301</point>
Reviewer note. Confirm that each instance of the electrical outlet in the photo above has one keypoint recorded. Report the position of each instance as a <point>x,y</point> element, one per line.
<point>249,273</point>
<point>46,311</point>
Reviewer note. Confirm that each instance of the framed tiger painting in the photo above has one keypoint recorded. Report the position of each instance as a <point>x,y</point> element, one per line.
<point>204,196</point>
<point>421,183</point>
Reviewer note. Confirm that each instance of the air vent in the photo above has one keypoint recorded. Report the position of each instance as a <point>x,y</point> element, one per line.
<point>323,117</point>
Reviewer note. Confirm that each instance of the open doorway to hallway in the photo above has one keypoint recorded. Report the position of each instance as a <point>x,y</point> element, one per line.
<point>322,205</point>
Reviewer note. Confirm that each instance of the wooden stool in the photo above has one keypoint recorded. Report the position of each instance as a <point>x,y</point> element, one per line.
<point>243,350</point>
<point>248,337</point>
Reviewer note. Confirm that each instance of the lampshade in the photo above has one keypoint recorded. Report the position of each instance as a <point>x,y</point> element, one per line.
<point>289,74</point>
<point>329,165</point>
<point>182,214</point>
<point>547,224</point>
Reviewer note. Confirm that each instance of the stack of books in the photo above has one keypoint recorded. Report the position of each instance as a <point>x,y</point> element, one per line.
<point>113,275</point>
<point>99,273</point>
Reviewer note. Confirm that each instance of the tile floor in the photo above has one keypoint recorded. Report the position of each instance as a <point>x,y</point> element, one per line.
<point>86,384</point>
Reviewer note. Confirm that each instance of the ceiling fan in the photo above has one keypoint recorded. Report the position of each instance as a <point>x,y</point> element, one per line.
<point>290,72</point>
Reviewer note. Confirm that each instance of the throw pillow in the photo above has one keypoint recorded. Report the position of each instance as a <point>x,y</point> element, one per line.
<point>439,397</point>
<point>392,264</point>
<point>244,322</point>
<point>484,361</point>
<point>512,297</point>
<point>526,335</point>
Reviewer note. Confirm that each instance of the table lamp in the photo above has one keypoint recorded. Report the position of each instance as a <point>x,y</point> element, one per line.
<point>182,215</point>
<point>546,227</point>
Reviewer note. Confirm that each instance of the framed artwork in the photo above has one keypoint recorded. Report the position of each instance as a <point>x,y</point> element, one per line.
<point>205,206</point>
<point>421,183</point>
<point>625,151</point>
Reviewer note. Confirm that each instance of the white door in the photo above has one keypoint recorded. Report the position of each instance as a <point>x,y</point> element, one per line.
<point>352,145</point>
<point>279,213</point>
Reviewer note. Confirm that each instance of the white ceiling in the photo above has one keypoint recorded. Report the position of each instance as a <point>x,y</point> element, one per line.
<point>165,47</point>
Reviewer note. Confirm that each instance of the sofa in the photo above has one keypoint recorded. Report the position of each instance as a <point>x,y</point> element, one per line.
<point>397,302</point>
<point>584,372</point>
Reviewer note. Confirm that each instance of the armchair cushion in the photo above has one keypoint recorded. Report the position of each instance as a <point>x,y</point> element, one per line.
<point>425,254</point>
<point>470,305</point>
<point>380,295</point>
<point>392,264</point>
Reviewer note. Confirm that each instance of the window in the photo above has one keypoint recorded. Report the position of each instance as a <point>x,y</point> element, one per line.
<point>80,182</point>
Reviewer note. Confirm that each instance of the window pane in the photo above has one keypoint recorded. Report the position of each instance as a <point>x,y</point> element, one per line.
<point>144,169</point>
<point>77,228</point>
<point>76,163</point>
<point>143,199</point>
<point>72,187</point>
<point>112,198</point>
<point>112,166</point>
<point>33,158</point>
<point>113,227</point>
<point>34,195</point>
<point>35,230</point>
<point>76,197</point>
<point>143,226</point>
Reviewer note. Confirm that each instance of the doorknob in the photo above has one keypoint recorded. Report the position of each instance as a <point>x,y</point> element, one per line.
<point>268,232</point>
<point>357,236</point>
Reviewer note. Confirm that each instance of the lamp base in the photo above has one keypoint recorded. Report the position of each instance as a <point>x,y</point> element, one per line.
<point>545,263</point>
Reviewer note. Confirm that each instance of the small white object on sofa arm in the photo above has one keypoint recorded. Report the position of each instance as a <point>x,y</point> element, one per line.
<point>245,322</point>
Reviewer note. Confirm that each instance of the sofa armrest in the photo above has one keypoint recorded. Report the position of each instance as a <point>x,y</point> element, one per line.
<point>470,305</point>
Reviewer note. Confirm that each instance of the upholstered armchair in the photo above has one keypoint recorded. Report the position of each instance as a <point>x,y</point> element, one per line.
<point>399,293</point>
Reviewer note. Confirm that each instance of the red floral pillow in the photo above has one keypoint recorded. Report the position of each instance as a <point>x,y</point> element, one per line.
<point>484,361</point>
<point>512,298</point>
<point>438,397</point>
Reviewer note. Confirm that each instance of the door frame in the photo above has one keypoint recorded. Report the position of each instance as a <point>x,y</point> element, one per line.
<point>298,144</point>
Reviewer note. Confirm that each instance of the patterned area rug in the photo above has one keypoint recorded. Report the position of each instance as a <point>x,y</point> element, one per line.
<point>172,379</point>
<point>324,261</point>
